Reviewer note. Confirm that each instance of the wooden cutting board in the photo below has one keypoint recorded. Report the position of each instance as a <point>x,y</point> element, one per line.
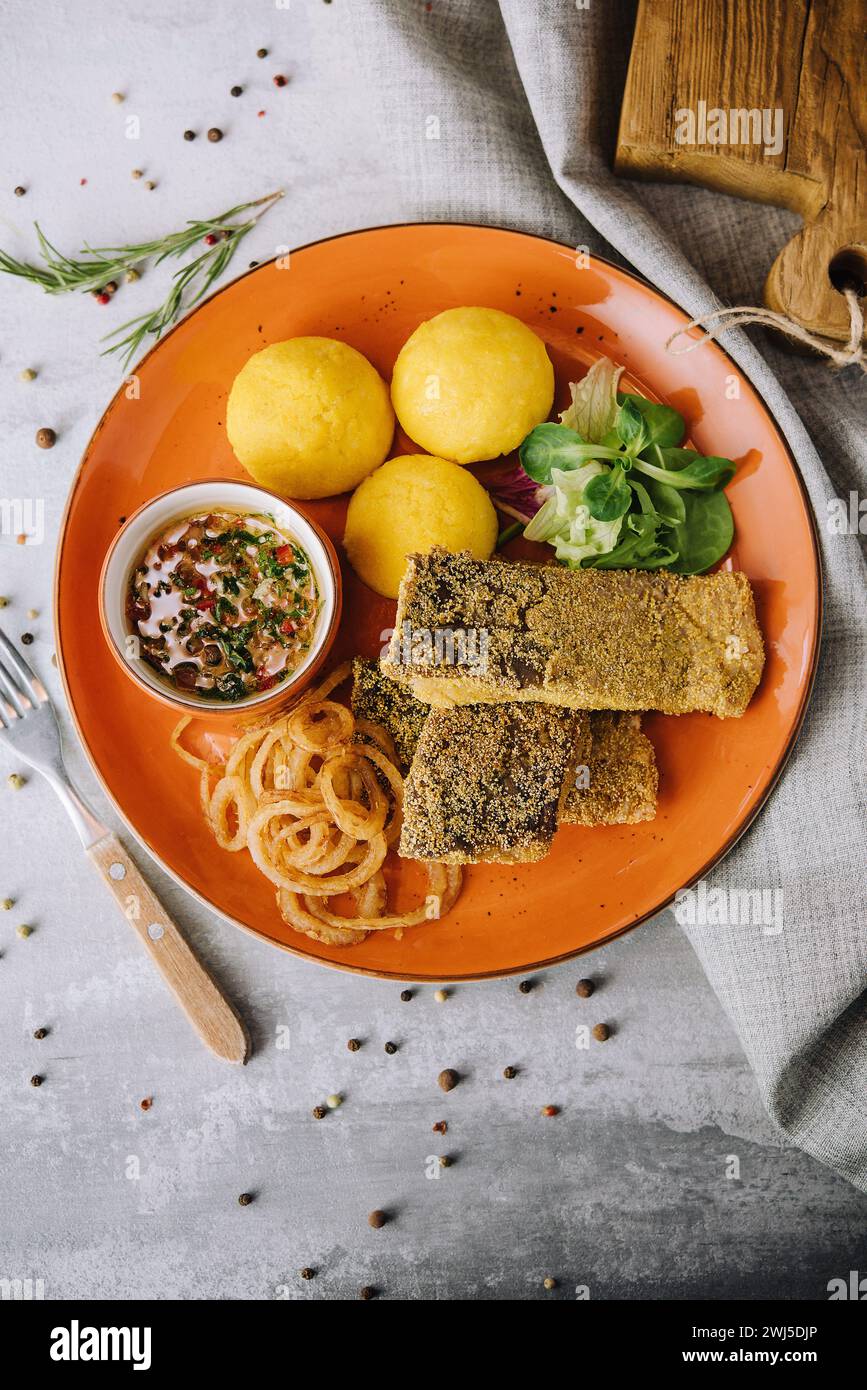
<point>765,99</point>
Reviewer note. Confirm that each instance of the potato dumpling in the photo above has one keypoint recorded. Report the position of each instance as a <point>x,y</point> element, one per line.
<point>470,384</point>
<point>309,417</point>
<point>408,506</point>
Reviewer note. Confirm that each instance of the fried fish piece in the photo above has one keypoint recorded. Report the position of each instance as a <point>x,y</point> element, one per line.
<point>382,701</point>
<point>621,779</point>
<point>486,631</point>
<point>488,782</point>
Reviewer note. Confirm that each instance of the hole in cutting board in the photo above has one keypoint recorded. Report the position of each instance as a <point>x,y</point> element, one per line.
<point>848,270</point>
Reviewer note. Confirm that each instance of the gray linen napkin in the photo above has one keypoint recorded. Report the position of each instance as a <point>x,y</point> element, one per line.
<point>527,96</point>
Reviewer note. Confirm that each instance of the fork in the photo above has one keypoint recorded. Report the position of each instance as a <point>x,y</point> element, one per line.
<point>29,725</point>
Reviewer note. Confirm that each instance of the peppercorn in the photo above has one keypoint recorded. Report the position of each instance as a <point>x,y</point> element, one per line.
<point>189,135</point>
<point>7,904</point>
<point>215,134</point>
<point>549,1110</point>
<point>24,931</point>
<point>525,986</point>
<point>391,1048</point>
<point>146,1103</point>
<point>445,1161</point>
<point>406,995</point>
<point>353,1044</point>
<point>33,613</point>
<point>138,173</point>
<point>441,995</point>
<point>102,297</point>
<point>367,1293</point>
<point>4,602</point>
<point>36,1080</point>
<point>15,781</point>
<point>20,191</point>
<point>510,1073</point>
<point>26,639</point>
<point>549,1283</point>
<point>584,989</point>
<point>308,1273</point>
<point>245,1199</point>
<point>334,1101</point>
<point>132,275</point>
<point>377,1220</point>
<point>319,1112</point>
<point>448,1079</point>
<point>40,1033</point>
<point>440,1127</point>
<point>601,1032</point>
<point>261,53</point>
<point>117,98</point>
<point>279,80</point>
<point>46,438</point>
<point>210,239</point>
<point>28,374</point>
<point>235,91</point>
<point>150,185</point>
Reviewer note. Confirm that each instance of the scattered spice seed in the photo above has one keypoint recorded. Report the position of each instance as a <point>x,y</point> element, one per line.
<point>308,1273</point>
<point>319,1112</point>
<point>40,1033</point>
<point>334,1101</point>
<point>377,1220</point>
<point>150,185</point>
<point>245,1199</point>
<point>261,53</point>
<point>24,931</point>
<point>102,297</point>
<point>441,995</point>
<point>189,135</point>
<point>110,288</point>
<point>279,80</point>
<point>215,135</point>
<point>7,904</point>
<point>117,98</point>
<point>138,173</point>
<point>132,275</point>
<point>440,1127</point>
<point>33,613</point>
<point>510,1073</point>
<point>448,1079</point>
<point>549,1283</point>
<point>27,375</point>
<point>210,239</point>
<point>27,639</point>
<point>367,1293</point>
<point>445,1161</point>
<point>146,1103</point>
<point>20,191</point>
<point>36,1080</point>
<point>391,1048</point>
<point>584,989</point>
<point>353,1044</point>
<point>46,438</point>
<point>525,986</point>
<point>261,113</point>
<point>15,781</point>
<point>235,91</point>
<point>406,995</point>
<point>549,1110</point>
<point>4,602</point>
<point>601,1032</point>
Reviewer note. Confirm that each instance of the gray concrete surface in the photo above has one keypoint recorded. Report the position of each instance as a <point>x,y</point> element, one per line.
<point>661,1176</point>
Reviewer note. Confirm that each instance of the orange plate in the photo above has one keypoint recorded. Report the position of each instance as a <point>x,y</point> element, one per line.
<point>371,289</point>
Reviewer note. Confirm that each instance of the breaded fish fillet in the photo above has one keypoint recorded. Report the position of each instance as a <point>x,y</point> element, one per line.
<point>621,779</point>
<point>383,701</point>
<point>487,783</point>
<point>472,631</point>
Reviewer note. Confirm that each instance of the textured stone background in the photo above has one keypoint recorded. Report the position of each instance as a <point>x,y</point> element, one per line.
<point>626,1190</point>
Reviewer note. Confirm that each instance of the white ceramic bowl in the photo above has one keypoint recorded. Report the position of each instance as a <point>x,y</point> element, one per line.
<point>197,499</point>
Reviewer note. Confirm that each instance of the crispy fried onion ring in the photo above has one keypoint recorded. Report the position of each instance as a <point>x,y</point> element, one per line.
<point>316,798</point>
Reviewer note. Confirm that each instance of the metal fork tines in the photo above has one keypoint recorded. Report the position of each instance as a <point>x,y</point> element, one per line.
<point>29,725</point>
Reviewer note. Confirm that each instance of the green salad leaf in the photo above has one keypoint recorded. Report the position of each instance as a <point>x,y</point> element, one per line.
<point>565,521</point>
<point>594,401</point>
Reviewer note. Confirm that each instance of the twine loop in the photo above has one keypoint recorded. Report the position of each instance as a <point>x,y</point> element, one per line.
<point>850,355</point>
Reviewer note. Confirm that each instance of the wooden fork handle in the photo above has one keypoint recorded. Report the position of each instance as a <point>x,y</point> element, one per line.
<point>212,1016</point>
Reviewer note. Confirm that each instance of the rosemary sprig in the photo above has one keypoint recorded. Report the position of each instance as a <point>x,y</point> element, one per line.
<point>96,266</point>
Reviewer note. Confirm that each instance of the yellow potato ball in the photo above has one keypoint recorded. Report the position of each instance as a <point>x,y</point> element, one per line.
<point>309,417</point>
<point>408,506</point>
<point>470,384</point>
